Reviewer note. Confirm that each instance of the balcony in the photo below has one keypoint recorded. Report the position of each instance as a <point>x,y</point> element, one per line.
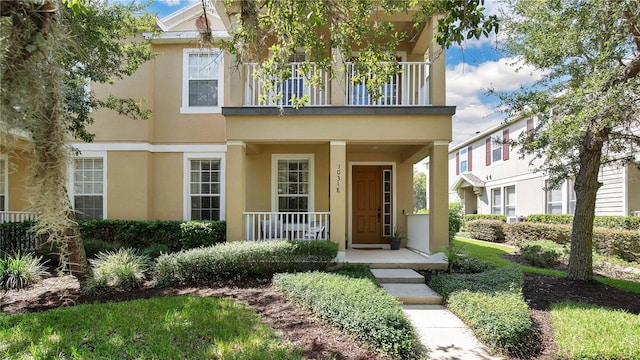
<point>17,216</point>
<point>409,87</point>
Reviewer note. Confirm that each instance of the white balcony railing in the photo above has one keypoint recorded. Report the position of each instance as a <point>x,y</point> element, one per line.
<point>17,216</point>
<point>409,87</point>
<point>286,226</point>
<point>284,91</point>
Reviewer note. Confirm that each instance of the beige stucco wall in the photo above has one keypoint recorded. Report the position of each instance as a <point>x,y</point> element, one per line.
<point>167,179</point>
<point>128,187</point>
<point>18,182</point>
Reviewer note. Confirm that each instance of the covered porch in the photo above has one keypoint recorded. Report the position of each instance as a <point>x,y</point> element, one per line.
<point>405,258</point>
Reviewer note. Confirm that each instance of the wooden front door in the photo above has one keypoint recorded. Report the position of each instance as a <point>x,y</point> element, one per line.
<point>367,205</point>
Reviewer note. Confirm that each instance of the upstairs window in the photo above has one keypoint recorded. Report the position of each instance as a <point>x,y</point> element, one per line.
<point>464,160</point>
<point>497,148</point>
<point>202,81</point>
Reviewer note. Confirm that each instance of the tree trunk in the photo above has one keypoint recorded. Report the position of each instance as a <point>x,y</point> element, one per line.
<point>586,187</point>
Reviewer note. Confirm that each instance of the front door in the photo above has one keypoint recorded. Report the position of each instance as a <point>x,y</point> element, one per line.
<point>367,200</point>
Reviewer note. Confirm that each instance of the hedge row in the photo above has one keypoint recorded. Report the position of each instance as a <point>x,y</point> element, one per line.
<point>357,306</point>
<point>609,222</point>
<point>491,303</point>
<point>242,261</point>
<point>471,217</point>
<point>109,234</point>
<point>621,243</point>
<point>487,230</point>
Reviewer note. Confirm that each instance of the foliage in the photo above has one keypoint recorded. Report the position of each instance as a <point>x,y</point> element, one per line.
<point>356,271</point>
<point>168,327</point>
<point>504,326</point>
<point>487,230</point>
<point>121,269</point>
<point>616,331</point>
<point>610,222</point>
<point>455,219</point>
<point>470,217</point>
<point>472,265</point>
<point>521,233</point>
<point>357,306</point>
<point>537,255</point>
<point>453,255</point>
<point>17,237</point>
<point>21,270</point>
<point>242,261</point>
<point>93,247</point>
<point>419,191</point>
<point>330,30</point>
<point>493,281</point>
<point>585,103</point>
<point>202,233</point>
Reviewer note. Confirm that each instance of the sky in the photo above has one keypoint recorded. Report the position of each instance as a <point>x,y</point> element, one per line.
<point>472,70</point>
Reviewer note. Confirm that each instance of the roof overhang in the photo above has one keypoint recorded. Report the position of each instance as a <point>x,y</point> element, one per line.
<point>468,180</point>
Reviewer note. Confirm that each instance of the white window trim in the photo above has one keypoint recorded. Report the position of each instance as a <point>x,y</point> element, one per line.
<point>5,189</point>
<point>186,181</point>
<point>493,205</point>
<point>70,177</point>
<point>496,141</point>
<point>274,178</point>
<point>466,158</point>
<point>185,108</point>
<point>564,201</point>
<point>504,199</point>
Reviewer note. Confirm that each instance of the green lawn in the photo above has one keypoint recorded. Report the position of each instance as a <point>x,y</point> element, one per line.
<point>617,332</point>
<point>171,327</point>
<point>493,252</point>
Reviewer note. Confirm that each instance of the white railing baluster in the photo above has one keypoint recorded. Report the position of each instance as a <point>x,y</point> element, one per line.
<point>261,226</point>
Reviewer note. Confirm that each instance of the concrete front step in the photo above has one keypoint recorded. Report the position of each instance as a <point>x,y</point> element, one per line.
<point>397,276</point>
<point>413,294</point>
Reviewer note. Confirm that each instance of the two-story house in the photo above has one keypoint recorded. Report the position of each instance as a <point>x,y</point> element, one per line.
<point>339,168</point>
<point>490,177</point>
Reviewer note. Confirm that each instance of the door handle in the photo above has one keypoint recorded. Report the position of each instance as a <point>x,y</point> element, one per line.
<point>378,215</point>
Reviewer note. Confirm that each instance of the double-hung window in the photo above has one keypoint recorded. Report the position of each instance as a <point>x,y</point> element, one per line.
<point>89,188</point>
<point>205,188</point>
<point>202,85</point>
<point>553,199</point>
<point>496,149</point>
<point>496,201</point>
<point>463,160</point>
<point>572,196</point>
<point>293,183</point>
<point>3,183</point>
<point>510,200</point>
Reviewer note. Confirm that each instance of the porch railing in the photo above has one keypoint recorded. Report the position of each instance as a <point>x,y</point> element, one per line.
<point>261,226</point>
<point>409,87</point>
<point>284,92</point>
<point>17,216</point>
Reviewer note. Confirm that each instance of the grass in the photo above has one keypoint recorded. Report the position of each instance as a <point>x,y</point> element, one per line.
<point>169,327</point>
<point>493,253</point>
<point>617,332</point>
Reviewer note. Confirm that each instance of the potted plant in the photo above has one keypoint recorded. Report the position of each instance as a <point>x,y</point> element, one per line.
<point>395,238</point>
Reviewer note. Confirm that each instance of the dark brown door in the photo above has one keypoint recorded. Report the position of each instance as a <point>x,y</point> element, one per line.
<point>367,205</point>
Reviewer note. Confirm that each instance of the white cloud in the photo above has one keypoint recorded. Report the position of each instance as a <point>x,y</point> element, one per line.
<point>466,87</point>
<point>170,2</point>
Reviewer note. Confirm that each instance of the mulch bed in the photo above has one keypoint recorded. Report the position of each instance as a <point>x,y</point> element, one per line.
<point>319,340</point>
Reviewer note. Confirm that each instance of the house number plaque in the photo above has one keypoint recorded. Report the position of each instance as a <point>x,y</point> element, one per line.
<point>338,178</point>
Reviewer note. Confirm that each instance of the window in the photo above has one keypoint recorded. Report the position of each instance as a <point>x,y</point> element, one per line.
<point>204,189</point>
<point>553,199</point>
<point>510,200</point>
<point>572,196</point>
<point>89,188</point>
<point>496,201</point>
<point>4,183</point>
<point>496,149</point>
<point>202,81</point>
<point>463,160</point>
<point>293,183</point>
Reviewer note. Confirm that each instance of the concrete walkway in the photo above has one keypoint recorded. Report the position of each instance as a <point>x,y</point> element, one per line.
<point>444,335</point>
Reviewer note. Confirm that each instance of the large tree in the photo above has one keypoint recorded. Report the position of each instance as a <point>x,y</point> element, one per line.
<point>52,51</point>
<point>587,104</point>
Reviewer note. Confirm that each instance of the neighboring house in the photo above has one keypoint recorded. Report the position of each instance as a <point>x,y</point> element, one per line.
<point>489,177</point>
<point>339,168</point>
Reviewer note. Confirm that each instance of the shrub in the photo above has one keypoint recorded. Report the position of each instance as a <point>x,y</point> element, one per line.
<point>521,233</point>
<point>202,233</point>
<point>357,306</point>
<point>95,246</point>
<point>624,244</point>
<point>18,271</point>
<point>500,279</point>
<point>538,256</point>
<point>471,217</point>
<point>472,265</point>
<point>487,230</point>
<point>16,237</point>
<point>505,325</point>
<point>243,261</point>
<point>455,219</point>
<point>609,222</point>
<point>551,218</point>
<point>120,269</point>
